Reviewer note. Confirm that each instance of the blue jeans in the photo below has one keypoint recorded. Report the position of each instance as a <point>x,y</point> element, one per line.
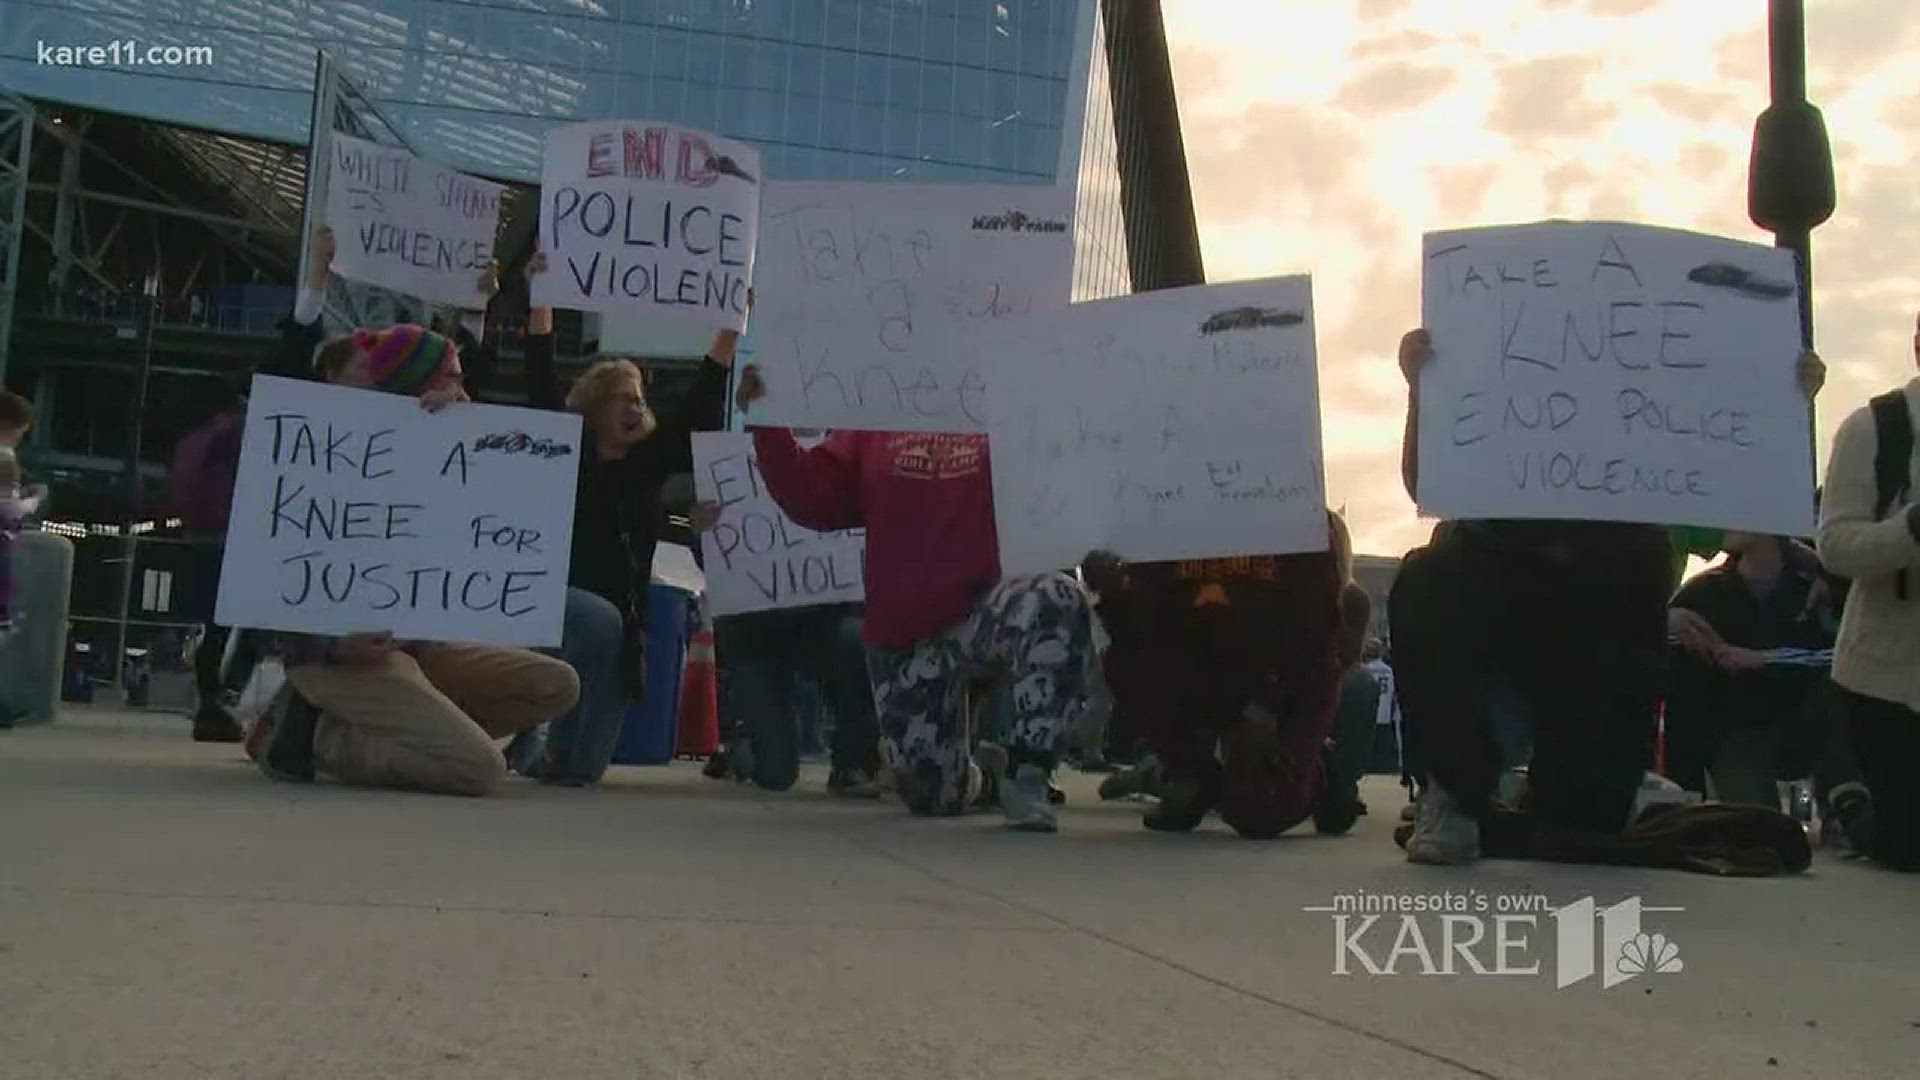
<point>577,747</point>
<point>760,655</point>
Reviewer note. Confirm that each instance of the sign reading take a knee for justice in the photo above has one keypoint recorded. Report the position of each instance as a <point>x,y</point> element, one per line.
<point>644,216</point>
<point>358,512</point>
<point>758,558</point>
<point>1598,371</point>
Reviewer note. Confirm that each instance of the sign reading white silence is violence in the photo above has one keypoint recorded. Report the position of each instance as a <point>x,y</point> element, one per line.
<point>357,512</point>
<point>404,223</point>
<point>1608,372</point>
<point>649,216</point>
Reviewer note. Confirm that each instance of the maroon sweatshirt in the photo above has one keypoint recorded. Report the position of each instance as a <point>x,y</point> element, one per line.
<point>926,502</point>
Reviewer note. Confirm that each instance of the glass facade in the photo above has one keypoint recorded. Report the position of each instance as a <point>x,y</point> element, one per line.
<point>872,89</point>
<point>1100,267</point>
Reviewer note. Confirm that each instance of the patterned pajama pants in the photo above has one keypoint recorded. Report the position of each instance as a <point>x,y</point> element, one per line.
<point>1035,631</point>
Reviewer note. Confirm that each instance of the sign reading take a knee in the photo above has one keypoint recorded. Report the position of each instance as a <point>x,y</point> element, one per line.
<point>757,558</point>
<point>1608,372</point>
<point>357,512</point>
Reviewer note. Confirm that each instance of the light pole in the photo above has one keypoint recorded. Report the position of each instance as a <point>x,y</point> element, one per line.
<point>1790,176</point>
<point>136,490</point>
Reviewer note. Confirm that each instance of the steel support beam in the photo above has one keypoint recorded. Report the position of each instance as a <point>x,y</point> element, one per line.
<point>1156,193</point>
<point>16,153</point>
<point>65,206</point>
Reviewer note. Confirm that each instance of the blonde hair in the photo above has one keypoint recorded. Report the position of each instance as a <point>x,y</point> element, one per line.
<point>1342,545</point>
<point>600,381</point>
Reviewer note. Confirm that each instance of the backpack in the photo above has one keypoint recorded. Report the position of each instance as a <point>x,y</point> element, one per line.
<point>1892,463</point>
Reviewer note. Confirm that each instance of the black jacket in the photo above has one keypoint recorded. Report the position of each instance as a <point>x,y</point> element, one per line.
<point>1704,701</point>
<point>617,514</point>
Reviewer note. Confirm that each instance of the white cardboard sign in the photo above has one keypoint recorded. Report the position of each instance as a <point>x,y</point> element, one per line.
<point>1610,372</point>
<point>357,512</point>
<point>407,224</point>
<point>1181,424</point>
<point>874,298</point>
<point>647,217</point>
<point>757,558</point>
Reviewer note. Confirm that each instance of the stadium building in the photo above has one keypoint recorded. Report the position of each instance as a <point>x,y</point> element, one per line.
<point>153,167</point>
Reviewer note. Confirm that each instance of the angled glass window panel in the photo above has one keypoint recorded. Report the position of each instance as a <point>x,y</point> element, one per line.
<point>903,133</point>
<point>736,63</point>
<point>903,84</point>
<point>876,25</point>
<point>836,124</point>
<point>1039,149</point>
<point>801,118</point>
<point>760,114</point>
<point>909,29</point>
<point>970,45</point>
<point>669,99</point>
<point>869,128</point>
<point>940,36</point>
<point>840,74</point>
<point>634,98</point>
<point>970,93</point>
<point>870,77</point>
<point>703,57</point>
<point>936,88</point>
<point>770,69</point>
<point>700,108</point>
<point>670,54</point>
<point>1004,152</point>
<point>806,71</point>
<point>842,25</point>
<point>809,21</point>
<point>936,136</point>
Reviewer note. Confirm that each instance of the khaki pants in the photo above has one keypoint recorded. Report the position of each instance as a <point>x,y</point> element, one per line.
<point>429,721</point>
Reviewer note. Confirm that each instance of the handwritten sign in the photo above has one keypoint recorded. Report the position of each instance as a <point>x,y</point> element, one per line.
<point>648,216</point>
<point>407,224</point>
<point>1182,424</point>
<point>874,297</point>
<point>1613,372</point>
<point>757,558</point>
<point>357,512</point>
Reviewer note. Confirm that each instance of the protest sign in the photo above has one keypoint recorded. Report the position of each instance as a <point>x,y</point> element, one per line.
<point>874,297</point>
<point>358,512</point>
<point>757,558</point>
<point>1180,424</point>
<point>647,216</point>
<point>407,224</point>
<point>1609,372</point>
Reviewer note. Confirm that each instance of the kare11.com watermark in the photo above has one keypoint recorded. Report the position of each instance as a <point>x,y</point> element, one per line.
<point>1477,933</point>
<point>124,53</point>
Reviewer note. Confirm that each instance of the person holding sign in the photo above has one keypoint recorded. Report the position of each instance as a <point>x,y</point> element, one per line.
<point>937,607</point>
<point>1530,659</point>
<point>1870,532</point>
<point>629,454</point>
<point>1240,654</point>
<point>368,709</point>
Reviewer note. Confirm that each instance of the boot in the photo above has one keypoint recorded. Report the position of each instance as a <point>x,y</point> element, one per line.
<point>214,722</point>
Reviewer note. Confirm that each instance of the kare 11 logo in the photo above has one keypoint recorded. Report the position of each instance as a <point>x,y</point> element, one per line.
<point>1475,933</point>
<point>1017,221</point>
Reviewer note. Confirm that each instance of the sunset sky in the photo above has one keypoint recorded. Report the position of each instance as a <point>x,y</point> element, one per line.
<point>1328,135</point>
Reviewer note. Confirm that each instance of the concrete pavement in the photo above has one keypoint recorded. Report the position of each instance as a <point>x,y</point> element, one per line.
<point>167,913</point>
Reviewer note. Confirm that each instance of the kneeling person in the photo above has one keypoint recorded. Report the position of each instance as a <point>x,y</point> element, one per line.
<point>426,716</point>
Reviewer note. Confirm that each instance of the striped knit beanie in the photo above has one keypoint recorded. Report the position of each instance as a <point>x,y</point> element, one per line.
<point>407,358</point>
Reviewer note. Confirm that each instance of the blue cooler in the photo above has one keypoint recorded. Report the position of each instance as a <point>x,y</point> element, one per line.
<point>653,726</point>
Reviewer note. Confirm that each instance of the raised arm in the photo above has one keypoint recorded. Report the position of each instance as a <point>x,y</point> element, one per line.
<point>818,488</point>
<point>1416,348</point>
<point>301,333</point>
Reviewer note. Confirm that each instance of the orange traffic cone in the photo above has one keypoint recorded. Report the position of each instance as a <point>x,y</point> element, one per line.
<point>699,701</point>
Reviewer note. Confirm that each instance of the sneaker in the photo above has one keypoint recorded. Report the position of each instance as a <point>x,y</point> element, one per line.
<point>288,753</point>
<point>1853,811</point>
<point>1024,800</point>
<point>1443,834</point>
<point>1183,806</point>
<point>852,784</point>
<point>214,722</point>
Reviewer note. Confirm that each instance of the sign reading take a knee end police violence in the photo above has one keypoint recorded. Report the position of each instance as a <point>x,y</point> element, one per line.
<point>1611,372</point>
<point>648,216</point>
<point>357,512</point>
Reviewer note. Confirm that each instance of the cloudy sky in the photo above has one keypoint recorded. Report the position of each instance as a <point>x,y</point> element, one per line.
<point>1327,135</point>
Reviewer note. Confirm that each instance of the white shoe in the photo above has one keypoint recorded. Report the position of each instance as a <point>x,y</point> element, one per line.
<point>1443,834</point>
<point>1024,800</point>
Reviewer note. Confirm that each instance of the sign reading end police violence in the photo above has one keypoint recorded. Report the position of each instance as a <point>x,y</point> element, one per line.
<point>649,216</point>
<point>758,558</point>
<point>1610,372</point>
<point>404,223</point>
<point>357,512</point>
